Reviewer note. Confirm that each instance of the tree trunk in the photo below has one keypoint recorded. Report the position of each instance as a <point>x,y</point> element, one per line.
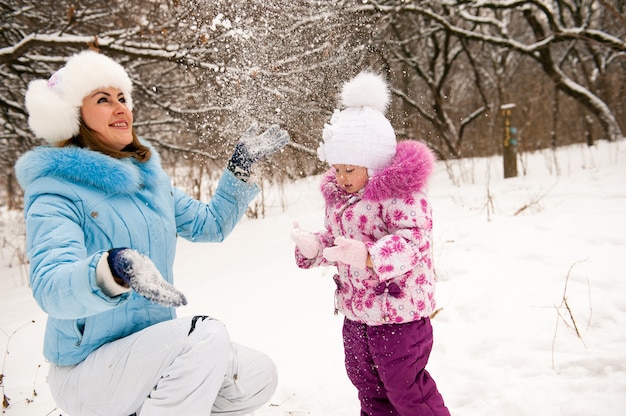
<point>572,88</point>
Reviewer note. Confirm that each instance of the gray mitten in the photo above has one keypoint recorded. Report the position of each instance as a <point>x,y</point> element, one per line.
<point>253,147</point>
<point>143,277</point>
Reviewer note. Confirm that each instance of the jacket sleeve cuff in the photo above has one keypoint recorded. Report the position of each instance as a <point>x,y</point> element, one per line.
<point>105,280</point>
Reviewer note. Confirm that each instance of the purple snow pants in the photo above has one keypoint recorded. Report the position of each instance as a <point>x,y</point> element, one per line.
<point>387,363</point>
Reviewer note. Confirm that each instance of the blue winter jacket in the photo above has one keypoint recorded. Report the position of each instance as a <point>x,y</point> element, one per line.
<point>79,204</point>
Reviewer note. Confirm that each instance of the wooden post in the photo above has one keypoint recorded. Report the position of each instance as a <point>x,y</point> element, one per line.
<point>509,151</point>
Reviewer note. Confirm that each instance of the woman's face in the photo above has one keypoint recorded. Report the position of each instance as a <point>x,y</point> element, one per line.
<point>350,177</point>
<point>104,111</point>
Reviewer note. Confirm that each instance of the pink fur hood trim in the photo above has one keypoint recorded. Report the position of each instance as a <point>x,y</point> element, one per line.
<point>407,173</point>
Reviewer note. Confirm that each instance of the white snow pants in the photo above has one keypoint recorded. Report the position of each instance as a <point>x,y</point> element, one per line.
<point>163,371</point>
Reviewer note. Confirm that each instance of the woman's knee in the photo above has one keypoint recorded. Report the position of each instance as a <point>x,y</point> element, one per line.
<point>250,382</point>
<point>254,366</point>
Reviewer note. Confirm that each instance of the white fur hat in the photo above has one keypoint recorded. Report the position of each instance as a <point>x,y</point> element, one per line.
<point>360,135</point>
<point>54,105</point>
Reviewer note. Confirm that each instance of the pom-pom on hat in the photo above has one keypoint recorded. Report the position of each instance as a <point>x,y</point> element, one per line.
<point>360,134</point>
<point>54,105</point>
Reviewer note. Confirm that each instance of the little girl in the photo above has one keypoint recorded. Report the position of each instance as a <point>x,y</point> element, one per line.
<point>378,232</point>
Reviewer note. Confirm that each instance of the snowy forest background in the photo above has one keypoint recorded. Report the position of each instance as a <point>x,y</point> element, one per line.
<point>203,70</point>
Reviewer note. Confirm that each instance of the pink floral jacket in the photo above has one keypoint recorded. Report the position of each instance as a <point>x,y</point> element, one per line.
<point>392,216</point>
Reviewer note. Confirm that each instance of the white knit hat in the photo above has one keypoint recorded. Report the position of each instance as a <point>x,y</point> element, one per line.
<point>360,135</point>
<point>54,105</point>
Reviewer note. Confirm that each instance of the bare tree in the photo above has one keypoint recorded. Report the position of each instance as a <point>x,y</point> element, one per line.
<point>565,38</point>
<point>202,70</point>
<point>435,76</point>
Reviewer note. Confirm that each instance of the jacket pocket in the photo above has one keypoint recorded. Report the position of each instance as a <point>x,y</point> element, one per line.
<point>79,330</point>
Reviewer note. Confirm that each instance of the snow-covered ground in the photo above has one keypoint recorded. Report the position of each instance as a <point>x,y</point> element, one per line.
<point>522,264</point>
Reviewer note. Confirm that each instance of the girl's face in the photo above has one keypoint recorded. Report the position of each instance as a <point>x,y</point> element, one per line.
<point>104,111</point>
<point>351,178</point>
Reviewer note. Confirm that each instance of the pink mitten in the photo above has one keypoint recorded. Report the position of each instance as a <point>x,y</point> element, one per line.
<point>348,251</point>
<point>305,241</point>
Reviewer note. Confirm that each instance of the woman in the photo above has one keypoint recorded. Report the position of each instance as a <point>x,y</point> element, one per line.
<point>101,225</point>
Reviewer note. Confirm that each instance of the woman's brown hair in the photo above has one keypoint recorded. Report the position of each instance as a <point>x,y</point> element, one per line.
<point>87,139</point>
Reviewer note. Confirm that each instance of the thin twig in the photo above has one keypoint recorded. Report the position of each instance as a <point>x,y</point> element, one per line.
<point>435,312</point>
<point>534,201</point>
<point>5,398</point>
<point>590,307</point>
<point>565,303</point>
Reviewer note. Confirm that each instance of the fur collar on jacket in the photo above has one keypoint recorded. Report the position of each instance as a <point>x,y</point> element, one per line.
<point>408,173</point>
<point>87,167</point>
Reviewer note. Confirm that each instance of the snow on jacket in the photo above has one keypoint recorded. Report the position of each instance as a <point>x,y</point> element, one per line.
<point>392,216</point>
<point>80,203</point>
